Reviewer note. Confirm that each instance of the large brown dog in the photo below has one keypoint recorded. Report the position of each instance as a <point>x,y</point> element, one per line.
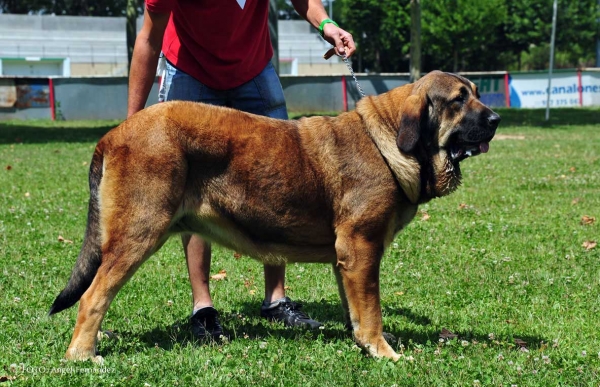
<point>321,189</point>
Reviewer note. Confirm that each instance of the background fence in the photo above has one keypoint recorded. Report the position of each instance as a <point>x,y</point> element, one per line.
<point>73,98</point>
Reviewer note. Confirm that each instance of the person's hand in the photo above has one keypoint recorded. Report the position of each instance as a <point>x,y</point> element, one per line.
<point>342,41</point>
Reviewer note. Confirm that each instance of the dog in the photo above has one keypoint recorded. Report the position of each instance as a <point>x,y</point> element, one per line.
<point>319,189</point>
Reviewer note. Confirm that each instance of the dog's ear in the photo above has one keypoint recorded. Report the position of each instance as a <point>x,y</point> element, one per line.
<point>410,123</point>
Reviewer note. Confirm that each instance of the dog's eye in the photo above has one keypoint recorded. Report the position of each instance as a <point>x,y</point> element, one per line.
<point>458,100</point>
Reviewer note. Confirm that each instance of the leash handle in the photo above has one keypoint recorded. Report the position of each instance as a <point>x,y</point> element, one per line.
<point>330,53</point>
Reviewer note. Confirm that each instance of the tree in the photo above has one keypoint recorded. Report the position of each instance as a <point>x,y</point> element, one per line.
<point>415,40</point>
<point>286,11</point>
<point>577,32</point>
<point>527,31</point>
<point>381,32</point>
<point>131,27</point>
<point>457,35</point>
<point>20,6</point>
<point>528,24</point>
<point>454,29</point>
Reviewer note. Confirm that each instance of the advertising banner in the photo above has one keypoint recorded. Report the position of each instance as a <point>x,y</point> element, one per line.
<point>33,93</point>
<point>590,88</point>
<point>530,90</point>
<point>8,93</point>
<point>491,88</point>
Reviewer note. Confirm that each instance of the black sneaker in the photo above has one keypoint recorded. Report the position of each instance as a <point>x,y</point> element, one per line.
<point>288,312</point>
<point>205,324</point>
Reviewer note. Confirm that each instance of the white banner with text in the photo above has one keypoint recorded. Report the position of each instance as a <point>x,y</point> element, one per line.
<point>567,89</point>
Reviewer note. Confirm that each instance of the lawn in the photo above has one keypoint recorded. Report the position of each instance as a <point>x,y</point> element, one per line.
<point>494,285</point>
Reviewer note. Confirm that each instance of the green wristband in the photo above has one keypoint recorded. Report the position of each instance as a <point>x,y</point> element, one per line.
<point>326,21</point>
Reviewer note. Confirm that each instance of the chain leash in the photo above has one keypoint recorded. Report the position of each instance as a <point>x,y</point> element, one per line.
<point>362,93</point>
<point>330,53</point>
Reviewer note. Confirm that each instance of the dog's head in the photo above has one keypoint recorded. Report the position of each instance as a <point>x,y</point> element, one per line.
<point>442,123</point>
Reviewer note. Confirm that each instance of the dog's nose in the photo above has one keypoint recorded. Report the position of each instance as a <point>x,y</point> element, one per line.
<point>494,120</point>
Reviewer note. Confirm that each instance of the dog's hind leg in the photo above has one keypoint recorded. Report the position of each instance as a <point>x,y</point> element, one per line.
<point>122,254</point>
<point>358,259</point>
<point>135,222</point>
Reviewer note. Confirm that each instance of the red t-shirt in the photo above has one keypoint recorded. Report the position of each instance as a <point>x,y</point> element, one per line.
<point>222,43</point>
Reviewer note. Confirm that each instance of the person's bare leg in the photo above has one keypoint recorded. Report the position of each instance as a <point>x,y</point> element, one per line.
<point>205,319</point>
<point>198,257</point>
<point>285,311</point>
<point>274,283</point>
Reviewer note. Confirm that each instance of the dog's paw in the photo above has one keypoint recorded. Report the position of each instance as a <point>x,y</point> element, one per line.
<point>106,335</point>
<point>98,360</point>
<point>74,354</point>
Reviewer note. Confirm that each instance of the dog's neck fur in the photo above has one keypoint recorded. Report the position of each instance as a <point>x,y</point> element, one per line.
<point>438,176</point>
<point>382,126</point>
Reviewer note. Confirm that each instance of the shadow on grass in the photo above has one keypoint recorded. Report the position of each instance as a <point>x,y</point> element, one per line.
<point>247,324</point>
<point>40,132</point>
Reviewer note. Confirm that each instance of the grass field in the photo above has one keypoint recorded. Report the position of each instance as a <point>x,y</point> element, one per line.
<point>506,263</point>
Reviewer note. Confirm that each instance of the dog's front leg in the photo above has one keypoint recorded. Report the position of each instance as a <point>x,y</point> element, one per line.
<point>358,261</point>
<point>343,298</point>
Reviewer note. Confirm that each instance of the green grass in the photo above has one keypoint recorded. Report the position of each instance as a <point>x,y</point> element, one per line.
<point>501,259</point>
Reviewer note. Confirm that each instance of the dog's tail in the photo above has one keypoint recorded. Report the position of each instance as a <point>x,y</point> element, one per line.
<point>90,256</point>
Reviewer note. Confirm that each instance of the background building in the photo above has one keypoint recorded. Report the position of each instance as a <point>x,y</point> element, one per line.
<point>34,45</point>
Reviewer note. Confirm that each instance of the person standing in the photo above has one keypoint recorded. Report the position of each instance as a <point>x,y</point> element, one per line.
<point>219,52</point>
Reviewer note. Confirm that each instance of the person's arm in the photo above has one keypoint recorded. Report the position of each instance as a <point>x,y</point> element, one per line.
<point>145,59</point>
<point>314,12</point>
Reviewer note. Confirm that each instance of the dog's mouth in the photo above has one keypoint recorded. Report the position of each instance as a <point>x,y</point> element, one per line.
<point>459,152</point>
<point>472,139</point>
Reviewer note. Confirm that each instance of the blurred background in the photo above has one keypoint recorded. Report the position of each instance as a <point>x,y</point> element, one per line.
<point>502,45</point>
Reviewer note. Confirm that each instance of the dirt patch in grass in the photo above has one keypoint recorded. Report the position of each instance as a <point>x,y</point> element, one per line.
<point>509,137</point>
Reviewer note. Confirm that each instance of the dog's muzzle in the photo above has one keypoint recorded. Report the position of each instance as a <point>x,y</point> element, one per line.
<point>460,148</point>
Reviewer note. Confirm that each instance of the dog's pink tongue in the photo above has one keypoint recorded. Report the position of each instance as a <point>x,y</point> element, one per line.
<point>484,147</point>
